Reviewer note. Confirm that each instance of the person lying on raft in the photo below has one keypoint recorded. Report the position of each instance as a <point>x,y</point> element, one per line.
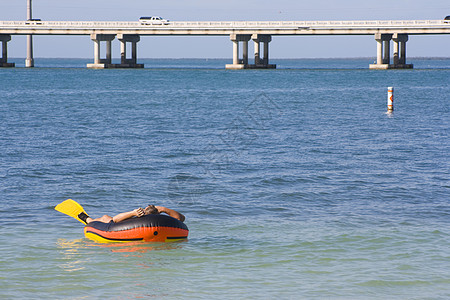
<point>138,212</point>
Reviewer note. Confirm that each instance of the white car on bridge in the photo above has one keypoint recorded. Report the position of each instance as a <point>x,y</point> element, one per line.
<point>153,21</point>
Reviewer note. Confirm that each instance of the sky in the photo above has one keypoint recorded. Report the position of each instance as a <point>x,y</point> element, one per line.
<point>229,10</point>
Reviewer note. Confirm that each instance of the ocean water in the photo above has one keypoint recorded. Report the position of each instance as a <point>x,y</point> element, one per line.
<point>295,182</point>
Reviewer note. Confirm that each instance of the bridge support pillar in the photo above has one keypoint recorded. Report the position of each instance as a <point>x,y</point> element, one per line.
<point>387,48</point>
<point>4,39</point>
<point>98,62</point>
<point>124,61</point>
<point>400,51</point>
<point>29,61</point>
<point>383,51</point>
<point>262,63</point>
<point>238,63</point>
<point>383,61</point>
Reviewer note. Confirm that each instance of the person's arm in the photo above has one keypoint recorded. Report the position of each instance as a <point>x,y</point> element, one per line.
<point>139,212</point>
<point>171,212</point>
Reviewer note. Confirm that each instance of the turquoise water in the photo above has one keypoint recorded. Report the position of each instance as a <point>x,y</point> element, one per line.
<point>295,182</point>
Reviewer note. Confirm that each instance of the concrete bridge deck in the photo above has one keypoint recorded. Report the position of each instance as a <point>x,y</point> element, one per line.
<point>227,28</point>
<point>240,32</point>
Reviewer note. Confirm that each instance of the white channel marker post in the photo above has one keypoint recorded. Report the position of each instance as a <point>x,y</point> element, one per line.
<point>390,101</point>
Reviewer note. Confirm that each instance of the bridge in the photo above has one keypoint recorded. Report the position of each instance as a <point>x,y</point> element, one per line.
<point>240,33</point>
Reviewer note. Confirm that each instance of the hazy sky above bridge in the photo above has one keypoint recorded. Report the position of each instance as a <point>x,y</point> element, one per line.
<point>234,10</point>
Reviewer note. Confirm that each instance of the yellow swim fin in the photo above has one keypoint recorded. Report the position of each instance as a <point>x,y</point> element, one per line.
<point>73,209</point>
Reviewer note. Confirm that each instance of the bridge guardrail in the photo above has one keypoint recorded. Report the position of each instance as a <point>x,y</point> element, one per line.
<point>228,24</point>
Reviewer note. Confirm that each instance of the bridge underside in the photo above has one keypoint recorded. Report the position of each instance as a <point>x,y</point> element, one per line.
<point>241,59</point>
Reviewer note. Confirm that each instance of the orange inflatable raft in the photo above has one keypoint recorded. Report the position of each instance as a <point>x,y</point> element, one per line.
<point>149,228</point>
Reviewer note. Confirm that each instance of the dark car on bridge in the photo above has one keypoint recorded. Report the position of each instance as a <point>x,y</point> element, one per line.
<point>447,19</point>
<point>33,22</point>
